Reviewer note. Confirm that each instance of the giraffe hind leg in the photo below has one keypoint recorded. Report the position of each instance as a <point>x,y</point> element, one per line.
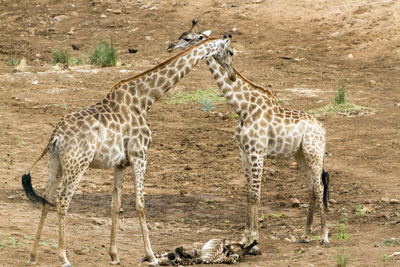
<point>54,175</point>
<point>306,172</point>
<point>115,208</point>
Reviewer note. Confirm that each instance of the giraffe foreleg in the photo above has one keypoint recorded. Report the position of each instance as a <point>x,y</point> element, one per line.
<point>139,168</point>
<point>247,174</point>
<point>256,160</point>
<point>115,208</point>
<point>54,174</point>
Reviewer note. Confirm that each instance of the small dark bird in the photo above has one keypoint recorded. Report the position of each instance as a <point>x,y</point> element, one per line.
<point>75,47</point>
<point>132,51</point>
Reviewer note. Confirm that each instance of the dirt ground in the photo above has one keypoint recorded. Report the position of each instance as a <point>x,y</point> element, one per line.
<point>194,182</point>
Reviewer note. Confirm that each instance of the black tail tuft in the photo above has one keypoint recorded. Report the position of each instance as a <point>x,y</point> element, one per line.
<point>325,182</point>
<point>30,193</point>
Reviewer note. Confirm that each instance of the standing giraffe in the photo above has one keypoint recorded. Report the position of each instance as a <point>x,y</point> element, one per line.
<point>267,130</point>
<point>113,133</point>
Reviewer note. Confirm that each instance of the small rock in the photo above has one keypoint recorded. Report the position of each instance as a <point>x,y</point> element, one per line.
<point>103,16</point>
<point>97,221</point>
<point>60,18</point>
<point>153,8</point>
<point>294,203</point>
<point>235,5</point>
<point>394,201</point>
<point>21,66</point>
<point>385,199</point>
<point>35,82</point>
<point>148,38</point>
<point>71,31</point>
<point>291,239</point>
<point>132,51</point>
<point>371,83</point>
<point>350,56</point>
<point>38,55</point>
<point>332,201</point>
<point>117,11</point>
<point>93,186</point>
<point>187,168</point>
<point>75,47</point>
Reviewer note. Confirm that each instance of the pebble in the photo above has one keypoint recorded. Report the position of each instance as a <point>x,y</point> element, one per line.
<point>60,18</point>
<point>372,83</point>
<point>394,201</point>
<point>350,56</point>
<point>97,221</point>
<point>294,202</point>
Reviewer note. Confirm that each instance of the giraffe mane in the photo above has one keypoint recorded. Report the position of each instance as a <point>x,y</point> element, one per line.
<point>260,88</point>
<point>115,86</point>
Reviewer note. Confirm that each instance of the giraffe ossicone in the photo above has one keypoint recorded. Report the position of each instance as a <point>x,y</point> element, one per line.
<point>268,130</point>
<point>113,133</point>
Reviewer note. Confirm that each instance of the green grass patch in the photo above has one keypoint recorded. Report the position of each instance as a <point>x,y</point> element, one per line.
<point>211,94</point>
<point>104,54</point>
<point>342,259</point>
<point>341,105</point>
<point>359,209</point>
<point>77,61</point>
<point>277,215</point>
<point>342,234</point>
<point>13,62</point>
<point>61,56</point>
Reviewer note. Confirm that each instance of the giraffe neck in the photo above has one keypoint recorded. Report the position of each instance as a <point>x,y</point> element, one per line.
<point>238,93</point>
<point>141,91</point>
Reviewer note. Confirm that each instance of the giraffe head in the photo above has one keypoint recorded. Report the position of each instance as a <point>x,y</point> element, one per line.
<point>189,38</point>
<point>192,37</point>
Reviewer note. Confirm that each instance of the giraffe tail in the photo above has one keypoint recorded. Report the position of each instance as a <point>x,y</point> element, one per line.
<point>27,182</point>
<point>325,182</point>
<point>30,193</point>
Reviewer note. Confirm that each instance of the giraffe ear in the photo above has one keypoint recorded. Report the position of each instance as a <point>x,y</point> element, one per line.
<point>206,33</point>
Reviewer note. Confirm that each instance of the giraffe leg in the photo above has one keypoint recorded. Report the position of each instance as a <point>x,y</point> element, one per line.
<point>115,207</point>
<point>54,174</point>
<point>306,171</point>
<point>319,192</point>
<point>139,168</point>
<point>247,174</point>
<point>68,187</point>
<point>256,160</point>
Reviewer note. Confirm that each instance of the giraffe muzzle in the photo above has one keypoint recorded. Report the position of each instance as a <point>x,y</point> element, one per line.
<point>231,72</point>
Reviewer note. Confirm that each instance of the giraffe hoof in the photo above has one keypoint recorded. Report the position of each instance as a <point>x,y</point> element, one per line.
<point>324,242</point>
<point>254,251</point>
<point>115,263</point>
<point>67,265</point>
<point>32,262</point>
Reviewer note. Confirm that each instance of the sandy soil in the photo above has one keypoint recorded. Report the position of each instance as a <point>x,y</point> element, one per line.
<point>195,183</point>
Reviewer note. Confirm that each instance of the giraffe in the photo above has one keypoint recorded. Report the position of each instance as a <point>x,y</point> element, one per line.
<point>268,130</point>
<point>113,133</point>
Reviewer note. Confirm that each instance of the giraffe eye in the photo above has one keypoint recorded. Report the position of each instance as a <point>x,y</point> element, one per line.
<point>201,38</point>
<point>187,39</point>
<point>230,52</point>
